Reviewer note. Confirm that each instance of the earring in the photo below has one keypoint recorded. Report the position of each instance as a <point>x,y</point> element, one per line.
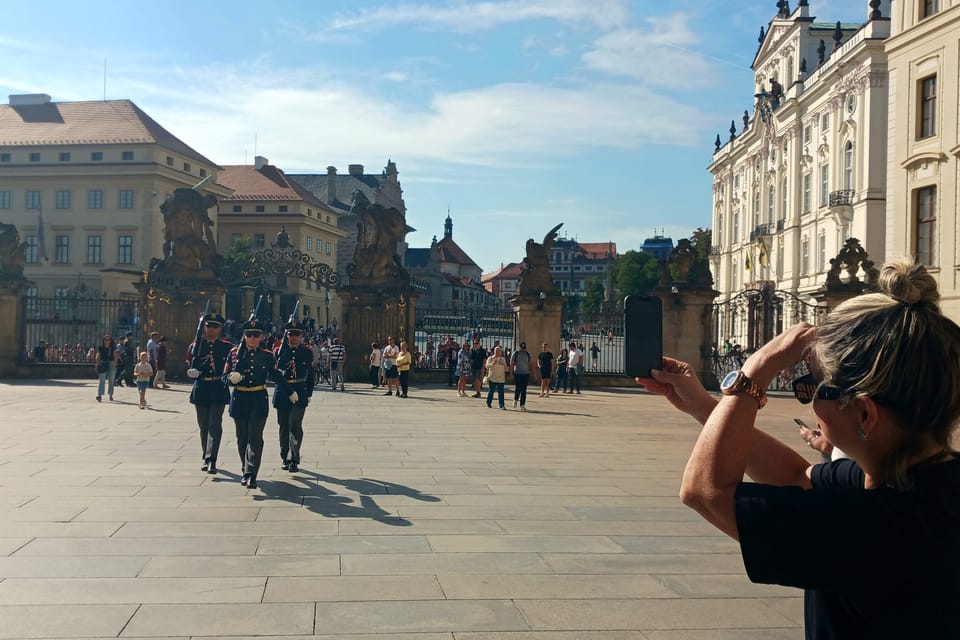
<point>862,434</point>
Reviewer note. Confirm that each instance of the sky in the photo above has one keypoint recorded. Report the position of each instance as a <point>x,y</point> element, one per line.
<point>513,115</point>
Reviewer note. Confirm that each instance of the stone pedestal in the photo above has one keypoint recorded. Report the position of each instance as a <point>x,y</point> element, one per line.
<point>371,315</point>
<point>538,321</point>
<point>11,325</point>
<point>830,299</point>
<point>176,315</point>
<point>687,331</point>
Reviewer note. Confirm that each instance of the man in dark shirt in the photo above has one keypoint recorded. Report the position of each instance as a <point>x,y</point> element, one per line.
<point>478,358</point>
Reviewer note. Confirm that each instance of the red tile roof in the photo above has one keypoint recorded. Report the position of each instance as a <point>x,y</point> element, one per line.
<point>94,122</point>
<point>450,251</point>
<point>599,250</point>
<point>510,271</point>
<point>266,183</point>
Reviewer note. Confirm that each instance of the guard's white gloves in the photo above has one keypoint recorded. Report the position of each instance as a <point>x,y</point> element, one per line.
<point>294,397</point>
<point>235,377</point>
<point>193,373</point>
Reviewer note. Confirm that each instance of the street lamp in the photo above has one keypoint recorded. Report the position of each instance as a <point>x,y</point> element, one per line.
<point>327,296</point>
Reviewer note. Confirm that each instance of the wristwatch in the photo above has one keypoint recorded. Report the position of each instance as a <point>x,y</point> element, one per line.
<point>738,382</point>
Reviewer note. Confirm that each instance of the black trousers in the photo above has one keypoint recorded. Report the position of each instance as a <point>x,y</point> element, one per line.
<point>375,376</point>
<point>520,382</point>
<point>250,443</point>
<point>210,421</point>
<point>291,433</point>
<point>404,380</point>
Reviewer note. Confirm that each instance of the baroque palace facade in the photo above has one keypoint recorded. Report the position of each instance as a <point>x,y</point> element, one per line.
<point>842,143</point>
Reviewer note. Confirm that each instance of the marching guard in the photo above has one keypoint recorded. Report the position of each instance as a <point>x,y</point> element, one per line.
<point>208,355</point>
<point>247,369</point>
<point>295,380</point>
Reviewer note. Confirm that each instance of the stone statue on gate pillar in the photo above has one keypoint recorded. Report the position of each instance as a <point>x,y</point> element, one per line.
<point>189,245</point>
<point>535,275</point>
<point>11,258</point>
<point>375,260</point>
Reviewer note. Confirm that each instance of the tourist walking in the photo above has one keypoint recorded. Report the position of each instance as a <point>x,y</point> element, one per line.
<point>292,393</point>
<point>545,363</point>
<point>390,353</point>
<point>160,379</point>
<point>478,357</point>
<point>520,368</point>
<point>106,364</point>
<point>403,369</point>
<point>247,369</point>
<point>338,360</point>
<point>462,369</point>
<point>209,394</point>
<point>376,359</point>
<point>496,368</point>
<point>152,353</point>
<point>574,362</point>
<point>142,372</point>
<point>561,373</point>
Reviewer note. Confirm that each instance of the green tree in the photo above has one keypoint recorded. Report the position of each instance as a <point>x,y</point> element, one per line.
<point>593,296</point>
<point>702,239</point>
<point>635,273</point>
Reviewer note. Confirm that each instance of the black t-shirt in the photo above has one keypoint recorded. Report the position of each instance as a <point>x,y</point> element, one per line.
<point>478,357</point>
<point>874,564</point>
<point>545,358</point>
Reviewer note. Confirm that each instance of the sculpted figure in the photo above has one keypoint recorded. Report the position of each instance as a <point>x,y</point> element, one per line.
<point>11,253</point>
<point>535,268</point>
<point>378,233</point>
<point>189,243</point>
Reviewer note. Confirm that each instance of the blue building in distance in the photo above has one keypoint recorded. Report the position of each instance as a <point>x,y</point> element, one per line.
<point>660,246</point>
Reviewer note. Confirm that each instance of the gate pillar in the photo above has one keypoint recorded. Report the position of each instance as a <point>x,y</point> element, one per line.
<point>538,320</point>
<point>11,330</point>
<point>371,315</point>
<point>688,327</point>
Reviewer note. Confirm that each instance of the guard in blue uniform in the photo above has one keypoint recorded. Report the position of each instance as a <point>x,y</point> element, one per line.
<point>247,370</point>
<point>209,395</point>
<point>292,394</point>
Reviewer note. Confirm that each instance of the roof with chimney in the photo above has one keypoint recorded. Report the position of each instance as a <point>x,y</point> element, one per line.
<point>264,182</point>
<point>36,121</point>
<point>344,185</point>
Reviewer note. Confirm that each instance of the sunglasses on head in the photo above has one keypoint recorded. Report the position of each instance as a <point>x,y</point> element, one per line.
<point>806,389</point>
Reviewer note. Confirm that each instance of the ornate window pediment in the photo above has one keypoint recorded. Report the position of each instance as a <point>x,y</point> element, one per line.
<point>924,158</point>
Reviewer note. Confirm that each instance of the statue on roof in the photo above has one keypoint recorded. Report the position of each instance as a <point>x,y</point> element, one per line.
<point>535,275</point>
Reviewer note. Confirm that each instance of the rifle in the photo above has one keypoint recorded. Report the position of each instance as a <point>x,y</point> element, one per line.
<point>253,316</point>
<point>284,346</point>
<point>196,341</point>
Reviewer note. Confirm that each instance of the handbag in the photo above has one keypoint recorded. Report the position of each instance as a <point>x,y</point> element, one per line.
<point>486,379</point>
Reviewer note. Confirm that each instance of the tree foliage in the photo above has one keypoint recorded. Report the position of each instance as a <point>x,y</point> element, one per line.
<point>635,273</point>
<point>593,296</point>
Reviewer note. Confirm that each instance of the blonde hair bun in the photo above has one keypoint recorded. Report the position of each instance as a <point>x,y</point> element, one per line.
<point>908,283</point>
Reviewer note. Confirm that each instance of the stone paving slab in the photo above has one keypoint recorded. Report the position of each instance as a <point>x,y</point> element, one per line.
<point>406,521</point>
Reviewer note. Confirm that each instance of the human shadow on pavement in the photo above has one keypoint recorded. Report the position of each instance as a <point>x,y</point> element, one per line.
<point>328,503</point>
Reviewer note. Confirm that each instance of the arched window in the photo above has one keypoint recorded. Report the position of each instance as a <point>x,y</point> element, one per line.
<point>848,167</point>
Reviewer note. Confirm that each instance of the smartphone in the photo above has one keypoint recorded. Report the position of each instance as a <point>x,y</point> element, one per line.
<point>643,335</point>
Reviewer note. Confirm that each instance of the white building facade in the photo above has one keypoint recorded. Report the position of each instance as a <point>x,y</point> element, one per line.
<point>807,171</point>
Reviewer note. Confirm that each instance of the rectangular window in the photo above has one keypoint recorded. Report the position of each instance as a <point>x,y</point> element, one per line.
<point>928,108</point>
<point>30,302</point>
<point>807,134</point>
<point>259,240</point>
<point>237,208</point>
<point>33,199</point>
<point>34,157</point>
<point>309,243</point>
<point>821,251</point>
<point>96,156</point>
<point>283,208</point>
<point>824,185</point>
<point>169,161</point>
<point>780,258</point>
<point>62,250</point>
<point>825,122</point>
<point>64,156</point>
<point>203,173</point>
<point>31,250</point>
<point>260,208</point>
<point>63,199</point>
<point>126,198</point>
<point>125,250</point>
<point>187,167</point>
<point>127,155</point>
<point>926,207</point>
<point>930,7</point>
<point>4,199</point>
<point>805,256</point>
<point>4,157</point>
<point>95,199</point>
<point>94,245</point>
<point>60,305</point>
<point>329,248</point>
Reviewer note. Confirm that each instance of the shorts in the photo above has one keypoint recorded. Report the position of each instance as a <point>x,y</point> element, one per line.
<point>142,385</point>
<point>390,373</point>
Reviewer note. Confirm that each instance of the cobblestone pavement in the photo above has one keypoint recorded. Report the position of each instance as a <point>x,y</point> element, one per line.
<point>426,518</point>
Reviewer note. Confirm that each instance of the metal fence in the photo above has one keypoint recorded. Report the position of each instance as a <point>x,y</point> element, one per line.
<point>437,328</point>
<point>600,337</point>
<point>67,329</point>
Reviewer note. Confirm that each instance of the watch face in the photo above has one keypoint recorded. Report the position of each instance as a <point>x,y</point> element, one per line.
<point>729,380</point>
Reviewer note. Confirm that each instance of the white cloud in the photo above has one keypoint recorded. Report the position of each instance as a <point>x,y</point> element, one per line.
<point>659,55</point>
<point>479,16</point>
